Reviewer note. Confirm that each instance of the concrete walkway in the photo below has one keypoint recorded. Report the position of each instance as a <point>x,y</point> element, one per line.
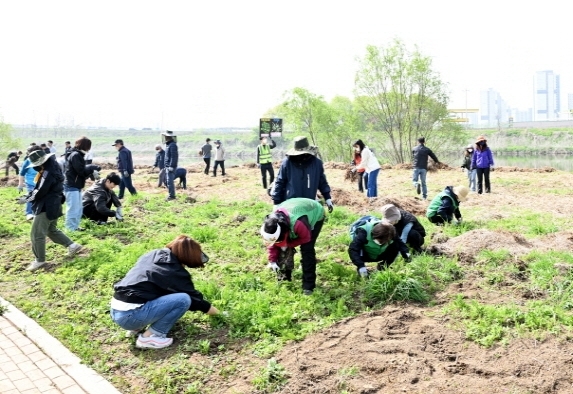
<point>32,361</point>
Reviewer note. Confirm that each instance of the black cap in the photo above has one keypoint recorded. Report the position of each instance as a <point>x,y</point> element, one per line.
<point>117,142</point>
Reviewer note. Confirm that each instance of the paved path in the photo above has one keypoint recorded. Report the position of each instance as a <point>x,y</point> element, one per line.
<point>32,361</point>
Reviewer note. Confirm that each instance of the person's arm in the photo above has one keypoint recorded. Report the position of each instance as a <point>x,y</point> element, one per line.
<point>323,185</point>
<point>122,163</point>
<point>281,180</point>
<point>180,282</point>
<point>365,154</point>
<point>273,253</point>
<point>432,155</point>
<point>157,156</point>
<point>402,247</point>
<point>100,204</point>
<point>406,231</point>
<point>42,187</point>
<point>258,154</point>
<point>446,209</point>
<point>474,157</point>
<point>458,214</point>
<point>356,247</point>
<point>490,156</point>
<point>273,144</point>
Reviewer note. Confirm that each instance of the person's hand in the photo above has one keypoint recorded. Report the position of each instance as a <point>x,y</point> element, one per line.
<point>20,188</point>
<point>96,175</point>
<point>170,169</point>
<point>363,272</point>
<point>407,258</point>
<point>491,168</point>
<point>353,170</point>
<point>459,221</point>
<point>126,174</point>
<point>353,163</point>
<point>330,205</point>
<point>273,267</point>
<point>22,200</point>
<point>119,214</point>
<point>284,248</point>
<point>258,165</point>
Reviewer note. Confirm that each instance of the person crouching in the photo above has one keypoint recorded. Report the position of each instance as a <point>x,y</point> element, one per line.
<point>446,205</point>
<point>98,199</point>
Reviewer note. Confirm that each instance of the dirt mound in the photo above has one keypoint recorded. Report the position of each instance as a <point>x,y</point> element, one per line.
<point>397,350</point>
<point>467,245</point>
<point>358,202</point>
<point>561,241</point>
<point>335,165</point>
<point>8,181</point>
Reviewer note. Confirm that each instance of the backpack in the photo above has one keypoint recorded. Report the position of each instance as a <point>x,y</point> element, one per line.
<point>360,222</point>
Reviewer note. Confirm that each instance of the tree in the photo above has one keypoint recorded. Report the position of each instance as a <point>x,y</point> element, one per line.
<point>401,98</point>
<point>7,141</point>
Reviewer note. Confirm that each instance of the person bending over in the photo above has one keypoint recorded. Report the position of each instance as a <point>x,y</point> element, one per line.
<point>98,199</point>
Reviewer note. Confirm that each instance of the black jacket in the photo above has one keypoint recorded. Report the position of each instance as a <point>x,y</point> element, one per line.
<point>356,248</point>
<point>156,274</point>
<point>171,155</point>
<point>407,217</point>
<point>447,208</point>
<point>97,197</point>
<point>124,161</point>
<point>420,156</point>
<point>160,159</point>
<point>300,179</point>
<point>76,169</point>
<point>48,194</point>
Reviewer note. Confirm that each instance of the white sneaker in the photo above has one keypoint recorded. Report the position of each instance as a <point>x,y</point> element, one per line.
<point>74,248</point>
<point>34,265</point>
<point>30,216</point>
<point>152,342</point>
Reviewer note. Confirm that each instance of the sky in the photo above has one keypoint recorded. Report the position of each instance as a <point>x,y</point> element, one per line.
<point>203,64</point>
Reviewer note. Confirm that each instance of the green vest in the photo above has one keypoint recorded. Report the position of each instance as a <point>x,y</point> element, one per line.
<point>371,248</point>
<point>297,207</point>
<point>265,154</point>
<point>437,201</point>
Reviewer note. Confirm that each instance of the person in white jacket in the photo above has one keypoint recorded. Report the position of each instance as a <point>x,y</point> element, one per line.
<point>371,166</point>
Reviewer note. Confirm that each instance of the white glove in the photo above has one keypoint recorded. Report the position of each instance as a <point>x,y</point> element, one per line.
<point>363,272</point>
<point>20,188</point>
<point>96,175</point>
<point>459,221</point>
<point>118,214</point>
<point>22,200</point>
<point>284,248</point>
<point>170,169</point>
<point>273,266</point>
<point>258,165</point>
<point>119,211</point>
<point>330,205</point>
<point>126,174</point>
<point>408,258</point>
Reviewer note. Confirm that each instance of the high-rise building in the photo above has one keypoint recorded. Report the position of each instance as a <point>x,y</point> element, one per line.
<point>570,102</point>
<point>520,115</point>
<point>547,95</point>
<point>493,109</point>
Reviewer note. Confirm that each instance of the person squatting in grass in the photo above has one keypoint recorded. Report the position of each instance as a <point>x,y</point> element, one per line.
<point>371,167</point>
<point>171,161</point>
<point>47,199</point>
<point>482,162</point>
<point>265,160</point>
<point>301,175</point>
<point>28,177</point>
<point>295,222</point>
<point>76,174</point>
<point>407,226</point>
<point>158,291</point>
<point>180,173</point>
<point>98,199</point>
<point>374,240</point>
<point>446,205</point>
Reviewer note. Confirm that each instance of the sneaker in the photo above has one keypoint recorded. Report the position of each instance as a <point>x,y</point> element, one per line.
<point>30,216</point>
<point>418,188</point>
<point>152,342</point>
<point>307,292</point>
<point>132,333</point>
<point>74,248</point>
<point>170,199</point>
<point>34,265</point>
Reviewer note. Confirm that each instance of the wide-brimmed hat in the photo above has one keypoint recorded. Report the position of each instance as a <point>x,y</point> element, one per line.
<point>39,157</point>
<point>391,213</point>
<point>462,193</point>
<point>470,146</point>
<point>301,147</point>
<point>169,133</point>
<point>480,138</point>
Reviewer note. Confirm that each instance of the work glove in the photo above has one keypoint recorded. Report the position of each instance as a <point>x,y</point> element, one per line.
<point>352,163</point>
<point>258,165</point>
<point>119,214</point>
<point>284,248</point>
<point>273,267</point>
<point>353,170</point>
<point>96,175</point>
<point>459,221</point>
<point>330,205</point>
<point>20,188</point>
<point>126,174</point>
<point>363,272</point>
<point>170,169</point>
<point>22,200</point>
<point>407,258</point>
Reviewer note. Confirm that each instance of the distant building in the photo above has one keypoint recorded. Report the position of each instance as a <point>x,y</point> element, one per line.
<point>493,109</point>
<point>522,115</point>
<point>547,95</point>
<point>570,102</point>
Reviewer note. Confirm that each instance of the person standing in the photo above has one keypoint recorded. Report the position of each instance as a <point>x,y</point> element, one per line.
<point>371,167</point>
<point>75,179</point>
<point>219,158</point>
<point>51,146</point>
<point>28,177</point>
<point>206,153</point>
<point>482,162</point>
<point>265,160</point>
<point>68,147</point>
<point>295,222</point>
<point>45,148</point>
<point>301,175</point>
<point>125,168</point>
<point>46,199</point>
<point>467,166</point>
<point>160,163</point>
<point>362,176</point>
<point>98,199</point>
<point>420,163</point>
<point>171,161</point>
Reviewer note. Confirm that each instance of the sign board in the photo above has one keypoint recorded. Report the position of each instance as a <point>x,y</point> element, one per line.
<point>270,126</point>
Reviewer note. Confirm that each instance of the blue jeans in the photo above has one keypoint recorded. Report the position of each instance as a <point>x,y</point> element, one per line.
<point>29,204</point>
<point>472,179</point>
<point>170,183</point>
<point>162,313</point>
<point>126,183</point>
<point>74,207</point>
<point>421,174</point>
<point>372,184</point>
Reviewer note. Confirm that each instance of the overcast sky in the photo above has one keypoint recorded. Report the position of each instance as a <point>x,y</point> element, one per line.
<point>192,64</point>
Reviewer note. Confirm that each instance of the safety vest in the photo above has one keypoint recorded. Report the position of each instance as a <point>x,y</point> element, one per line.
<point>371,248</point>
<point>297,207</point>
<point>437,201</point>
<point>265,154</point>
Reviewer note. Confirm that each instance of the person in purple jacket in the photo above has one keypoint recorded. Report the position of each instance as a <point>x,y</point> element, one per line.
<point>482,162</point>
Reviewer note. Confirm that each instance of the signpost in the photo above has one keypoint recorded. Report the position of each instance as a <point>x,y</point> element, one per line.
<point>270,126</point>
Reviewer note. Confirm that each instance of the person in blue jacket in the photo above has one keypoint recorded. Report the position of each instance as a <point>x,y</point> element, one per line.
<point>171,161</point>
<point>482,162</point>
<point>301,175</point>
<point>27,177</point>
<point>124,168</point>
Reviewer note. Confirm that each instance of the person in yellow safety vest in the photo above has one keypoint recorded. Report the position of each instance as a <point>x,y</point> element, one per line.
<point>265,160</point>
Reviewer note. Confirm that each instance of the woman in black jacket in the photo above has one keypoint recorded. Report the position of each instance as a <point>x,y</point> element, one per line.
<point>47,199</point>
<point>157,291</point>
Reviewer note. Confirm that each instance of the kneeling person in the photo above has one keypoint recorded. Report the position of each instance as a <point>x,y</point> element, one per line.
<point>181,174</point>
<point>446,205</point>
<point>98,199</point>
<point>407,226</point>
<point>374,240</point>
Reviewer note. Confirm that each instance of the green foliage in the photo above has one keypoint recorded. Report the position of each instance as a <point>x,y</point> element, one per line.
<point>7,140</point>
<point>271,378</point>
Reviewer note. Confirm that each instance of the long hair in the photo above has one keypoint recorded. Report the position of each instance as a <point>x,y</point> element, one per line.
<point>274,220</point>
<point>187,251</point>
<point>360,144</point>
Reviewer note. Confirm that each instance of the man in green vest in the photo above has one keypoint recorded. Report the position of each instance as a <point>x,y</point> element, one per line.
<point>446,205</point>
<point>374,239</point>
<point>295,222</point>
<point>265,160</point>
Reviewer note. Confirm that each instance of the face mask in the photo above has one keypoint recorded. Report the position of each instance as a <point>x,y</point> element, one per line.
<point>470,150</point>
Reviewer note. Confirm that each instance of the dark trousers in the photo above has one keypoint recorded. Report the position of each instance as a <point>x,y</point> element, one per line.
<point>437,219</point>
<point>362,184</point>
<point>267,167</point>
<point>90,212</point>
<point>183,182</point>
<point>415,240</point>
<point>170,182</point>
<point>384,259</point>
<point>126,183</point>
<point>14,166</point>
<point>483,173</point>
<point>219,163</point>
<point>308,259</point>
<point>207,161</point>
